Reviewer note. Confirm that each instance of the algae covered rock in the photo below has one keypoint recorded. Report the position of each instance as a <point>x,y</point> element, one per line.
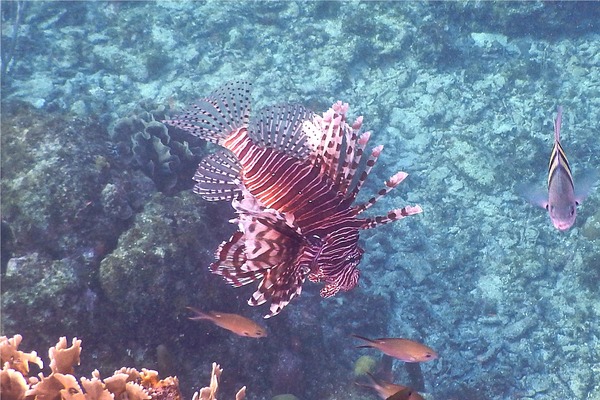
<point>43,297</point>
<point>54,170</point>
<point>160,263</point>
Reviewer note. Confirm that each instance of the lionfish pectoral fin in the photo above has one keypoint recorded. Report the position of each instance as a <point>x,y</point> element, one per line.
<point>268,242</point>
<point>264,249</point>
<point>250,209</point>
<point>279,286</point>
<point>217,177</point>
<point>393,215</point>
<point>231,260</point>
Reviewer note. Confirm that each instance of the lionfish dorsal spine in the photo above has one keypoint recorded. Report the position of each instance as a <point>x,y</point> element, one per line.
<point>280,127</point>
<point>356,150</point>
<point>364,174</point>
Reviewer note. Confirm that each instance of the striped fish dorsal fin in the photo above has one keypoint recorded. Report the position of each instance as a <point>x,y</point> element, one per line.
<point>558,159</point>
<point>217,177</point>
<point>217,116</point>
<point>280,127</point>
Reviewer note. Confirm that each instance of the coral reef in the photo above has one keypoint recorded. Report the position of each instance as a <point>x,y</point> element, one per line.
<point>125,383</point>
<point>591,227</point>
<point>41,169</point>
<point>460,93</point>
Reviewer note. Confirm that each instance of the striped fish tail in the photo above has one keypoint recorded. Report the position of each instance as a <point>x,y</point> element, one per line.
<point>558,157</point>
<point>557,123</point>
<point>220,115</point>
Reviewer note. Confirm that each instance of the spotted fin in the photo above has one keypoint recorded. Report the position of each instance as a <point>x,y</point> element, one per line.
<point>215,117</point>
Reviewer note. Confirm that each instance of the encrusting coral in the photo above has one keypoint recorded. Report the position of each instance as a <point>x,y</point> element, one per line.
<point>124,384</point>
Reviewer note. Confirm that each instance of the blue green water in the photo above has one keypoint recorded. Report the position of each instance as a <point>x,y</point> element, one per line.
<point>104,240</point>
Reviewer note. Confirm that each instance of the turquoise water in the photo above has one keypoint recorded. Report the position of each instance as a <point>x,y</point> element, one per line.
<point>104,240</point>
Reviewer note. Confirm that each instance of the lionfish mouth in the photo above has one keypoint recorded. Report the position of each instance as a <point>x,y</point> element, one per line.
<point>317,242</point>
<point>287,172</point>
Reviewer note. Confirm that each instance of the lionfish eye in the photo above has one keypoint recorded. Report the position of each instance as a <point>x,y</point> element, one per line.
<point>314,240</point>
<point>354,258</point>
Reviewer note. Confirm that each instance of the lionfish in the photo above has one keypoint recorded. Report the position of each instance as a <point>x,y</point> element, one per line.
<point>292,177</point>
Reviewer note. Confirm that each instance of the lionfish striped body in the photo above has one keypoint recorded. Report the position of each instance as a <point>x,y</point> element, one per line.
<point>292,177</point>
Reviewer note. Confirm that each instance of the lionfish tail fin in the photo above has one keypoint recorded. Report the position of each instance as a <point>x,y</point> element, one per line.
<point>217,177</point>
<point>393,215</point>
<point>216,117</point>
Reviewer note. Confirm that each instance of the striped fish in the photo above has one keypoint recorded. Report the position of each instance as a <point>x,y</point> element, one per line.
<point>562,199</point>
<point>292,177</point>
<point>562,205</point>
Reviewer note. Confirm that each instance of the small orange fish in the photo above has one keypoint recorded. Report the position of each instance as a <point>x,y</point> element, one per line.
<point>402,349</point>
<point>403,394</point>
<point>385,390</point>
<point>232,322</point>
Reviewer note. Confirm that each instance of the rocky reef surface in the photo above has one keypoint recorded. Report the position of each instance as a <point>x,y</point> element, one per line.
<point>102,238</point>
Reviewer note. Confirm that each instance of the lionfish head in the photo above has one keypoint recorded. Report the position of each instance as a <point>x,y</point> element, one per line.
<point>336,261</point>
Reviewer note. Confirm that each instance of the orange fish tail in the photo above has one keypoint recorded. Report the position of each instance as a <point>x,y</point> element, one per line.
<point>198,315</point>
<point>365,339</point>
